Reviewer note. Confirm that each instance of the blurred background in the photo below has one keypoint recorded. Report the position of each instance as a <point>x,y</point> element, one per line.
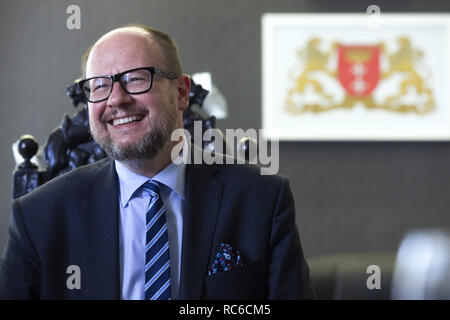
<point>350,197</point>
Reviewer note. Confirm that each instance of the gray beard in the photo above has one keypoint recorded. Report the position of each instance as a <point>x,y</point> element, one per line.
<point>137,154</point>
<point>134,155</point>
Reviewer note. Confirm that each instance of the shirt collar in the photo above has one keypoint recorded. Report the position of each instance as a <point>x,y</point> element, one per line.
<point>172,176</point>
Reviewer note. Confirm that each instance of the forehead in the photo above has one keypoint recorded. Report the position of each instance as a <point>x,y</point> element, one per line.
<point>122,50</point>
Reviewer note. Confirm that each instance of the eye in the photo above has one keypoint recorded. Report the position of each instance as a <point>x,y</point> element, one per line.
<point>135,79</point>
<point>101,84</point>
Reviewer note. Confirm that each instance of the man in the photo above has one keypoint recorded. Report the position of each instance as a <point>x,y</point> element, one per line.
<point>139,226</point>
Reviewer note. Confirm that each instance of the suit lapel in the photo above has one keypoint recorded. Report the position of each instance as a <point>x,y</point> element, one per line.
<point>100,221</point>
<point>203,200</point>
<point>100,216</point>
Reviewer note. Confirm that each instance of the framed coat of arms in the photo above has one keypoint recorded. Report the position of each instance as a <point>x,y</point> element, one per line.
<point>340,77</point>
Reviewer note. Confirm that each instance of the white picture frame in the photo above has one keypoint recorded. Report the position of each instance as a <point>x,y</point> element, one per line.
<point>305,87</point>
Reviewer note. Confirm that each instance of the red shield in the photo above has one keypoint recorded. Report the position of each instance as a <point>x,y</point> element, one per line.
<point>359,69</point>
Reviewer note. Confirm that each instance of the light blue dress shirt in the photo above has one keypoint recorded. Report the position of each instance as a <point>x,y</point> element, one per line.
<point>133,206</point>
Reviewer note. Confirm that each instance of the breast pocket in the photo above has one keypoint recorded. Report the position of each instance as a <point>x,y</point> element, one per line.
<point>246,282</point>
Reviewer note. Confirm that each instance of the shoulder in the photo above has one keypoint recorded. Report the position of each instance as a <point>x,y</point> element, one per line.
<point>238,170</point>
<point>245,180</point>
<point>246,173</point>
<point>74,182</point>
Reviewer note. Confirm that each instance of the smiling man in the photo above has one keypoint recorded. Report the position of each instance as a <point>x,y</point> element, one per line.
<point>139,225</point>
<point>138,135</point>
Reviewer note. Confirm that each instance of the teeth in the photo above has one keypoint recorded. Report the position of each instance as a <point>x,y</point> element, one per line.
<point>126,120</point>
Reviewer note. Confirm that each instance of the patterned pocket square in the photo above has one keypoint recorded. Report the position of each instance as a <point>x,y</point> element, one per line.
<point>227,258</point>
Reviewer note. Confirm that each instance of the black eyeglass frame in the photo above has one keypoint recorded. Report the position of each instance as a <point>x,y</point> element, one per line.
<point>118,78</point>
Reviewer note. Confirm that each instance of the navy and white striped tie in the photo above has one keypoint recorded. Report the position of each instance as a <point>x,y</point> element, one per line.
<point>157,258</point>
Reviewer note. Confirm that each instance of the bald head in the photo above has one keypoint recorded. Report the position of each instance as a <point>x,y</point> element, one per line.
<point>154,38</point>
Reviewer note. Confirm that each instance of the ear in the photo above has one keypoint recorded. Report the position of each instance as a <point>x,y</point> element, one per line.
<point>184,89</point>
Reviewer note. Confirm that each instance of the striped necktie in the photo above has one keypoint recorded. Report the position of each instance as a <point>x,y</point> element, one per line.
<point>157,258</point>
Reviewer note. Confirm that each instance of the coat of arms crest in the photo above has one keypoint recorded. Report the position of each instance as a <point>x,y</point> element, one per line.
<point>359,70</point>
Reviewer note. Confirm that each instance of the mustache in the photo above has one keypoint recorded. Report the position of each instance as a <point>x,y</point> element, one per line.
<point>106,117</point>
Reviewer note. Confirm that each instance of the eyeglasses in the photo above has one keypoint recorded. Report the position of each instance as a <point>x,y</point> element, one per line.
<point>134,81</point>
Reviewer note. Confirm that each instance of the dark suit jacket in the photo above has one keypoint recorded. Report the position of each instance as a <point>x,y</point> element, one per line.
<point>74,220</point>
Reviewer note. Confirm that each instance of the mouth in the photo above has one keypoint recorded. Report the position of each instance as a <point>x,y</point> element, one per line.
<point>126,120</point>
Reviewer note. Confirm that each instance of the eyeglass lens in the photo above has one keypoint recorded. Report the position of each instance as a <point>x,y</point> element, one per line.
<point>99,88</point>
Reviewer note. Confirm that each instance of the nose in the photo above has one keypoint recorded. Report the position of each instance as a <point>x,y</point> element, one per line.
<point>118,96</point>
